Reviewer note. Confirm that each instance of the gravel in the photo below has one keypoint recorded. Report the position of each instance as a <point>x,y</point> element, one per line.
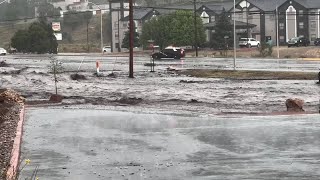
<point>9,118</point>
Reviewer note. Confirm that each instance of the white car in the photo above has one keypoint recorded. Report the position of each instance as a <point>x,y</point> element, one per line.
<point>249,42</point>
<point>106,49</point>
<point>3,51</point>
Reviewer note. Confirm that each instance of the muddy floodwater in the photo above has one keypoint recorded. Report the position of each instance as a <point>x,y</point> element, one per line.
<point>163,91</point>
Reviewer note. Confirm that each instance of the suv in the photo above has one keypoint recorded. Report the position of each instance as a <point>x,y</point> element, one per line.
<point>169,52</point>
<point>298,41</point>
<point>249,42</point>
<point>3,51</point>
<point>106,49</point>
<point>317,42</point>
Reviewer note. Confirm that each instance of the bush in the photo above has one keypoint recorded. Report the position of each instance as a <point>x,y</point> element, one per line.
<point>38,38</point>
<point>265,49</point>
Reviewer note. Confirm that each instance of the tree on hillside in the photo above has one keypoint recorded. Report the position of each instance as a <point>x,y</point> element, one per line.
<point>126,40</point>
<point>174,29</point>
<point>38,38</point>
<point>222,29</point>
<point>21,41</point>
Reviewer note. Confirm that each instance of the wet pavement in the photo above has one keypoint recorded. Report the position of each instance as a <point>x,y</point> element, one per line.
<point>99,144</point>
<point>120,63</point>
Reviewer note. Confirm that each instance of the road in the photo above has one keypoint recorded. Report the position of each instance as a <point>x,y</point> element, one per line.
<point>93,144</point>
<point>120,63</point>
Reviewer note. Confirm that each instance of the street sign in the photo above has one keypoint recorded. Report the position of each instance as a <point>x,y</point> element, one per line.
<point>58,36</point>
<point>56,26</point>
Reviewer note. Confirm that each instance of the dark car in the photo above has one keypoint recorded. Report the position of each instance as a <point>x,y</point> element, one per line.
<point>298,41</point>
<point>169,52</point>
<point>317,42</point>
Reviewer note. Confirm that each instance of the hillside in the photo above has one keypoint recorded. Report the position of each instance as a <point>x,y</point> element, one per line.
<point>72,38</point>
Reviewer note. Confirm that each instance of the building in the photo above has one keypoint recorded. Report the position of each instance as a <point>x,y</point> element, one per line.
<point>118,10</point>
<point>66,5</point>
<point>254,18</point>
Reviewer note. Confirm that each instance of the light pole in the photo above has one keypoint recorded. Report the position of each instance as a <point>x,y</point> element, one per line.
<point>234,35</point>
<point>277,24</point>
<point>195,27</point>
<point>131,30</point>
<point>101,27</point>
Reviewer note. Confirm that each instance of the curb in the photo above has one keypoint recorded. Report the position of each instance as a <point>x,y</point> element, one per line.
<point>15,153</point>
<point>311,59</point>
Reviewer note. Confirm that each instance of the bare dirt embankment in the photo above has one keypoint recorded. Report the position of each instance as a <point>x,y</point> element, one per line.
<point>250,75</point>
<point>10,105</point>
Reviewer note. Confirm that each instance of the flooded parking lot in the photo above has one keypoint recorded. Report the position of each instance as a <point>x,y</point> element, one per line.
<point>99,144</point>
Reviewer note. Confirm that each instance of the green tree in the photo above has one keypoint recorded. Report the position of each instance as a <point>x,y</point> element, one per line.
<point>126,40</point>
<point>38,38</point>
<point>174,29</point>
<point>21,41</point>
<point>223,35</point>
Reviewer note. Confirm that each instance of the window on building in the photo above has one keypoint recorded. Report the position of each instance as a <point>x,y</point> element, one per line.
<point>301,13</point>
<point>281,26</point>
<point>272,17</point>
<point>313,37</point>
<point>301,25</point>
<point>213,18</point>
<point>312,16</point>
<point>115,23</point>
<point>117,45</point>
<point>116,35</point>
<point>313,24</point>
<point>281,39</point>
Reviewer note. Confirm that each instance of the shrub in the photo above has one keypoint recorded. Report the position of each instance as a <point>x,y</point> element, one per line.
<point>265,49</point>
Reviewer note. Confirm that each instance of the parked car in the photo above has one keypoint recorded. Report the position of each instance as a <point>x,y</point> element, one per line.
<point>249,42</point>
<point>106,49</point>
<point>317,42</point>
<point>13,50</point>
<point>169,52</point>
<point>298,41</point>
<point>3,51</point>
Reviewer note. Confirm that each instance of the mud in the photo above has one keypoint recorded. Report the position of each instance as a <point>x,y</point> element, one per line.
<point>163,91</point>
<point>10,104</point>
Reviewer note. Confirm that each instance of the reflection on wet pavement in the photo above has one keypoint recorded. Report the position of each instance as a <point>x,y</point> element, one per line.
<point>97,144</point>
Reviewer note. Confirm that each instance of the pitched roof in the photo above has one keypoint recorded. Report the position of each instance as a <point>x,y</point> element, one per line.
<point>139,13</point>
<point>310,4</point>
<point>239,24</point>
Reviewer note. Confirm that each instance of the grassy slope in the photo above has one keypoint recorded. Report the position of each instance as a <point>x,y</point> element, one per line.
<point>250,75</point>
<point>79,35</point>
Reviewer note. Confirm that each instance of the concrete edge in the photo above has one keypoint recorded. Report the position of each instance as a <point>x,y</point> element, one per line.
<point>15,153</point>
<point>311,59</point>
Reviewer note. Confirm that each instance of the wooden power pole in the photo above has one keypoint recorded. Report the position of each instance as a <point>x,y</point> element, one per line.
<point>131,34</point>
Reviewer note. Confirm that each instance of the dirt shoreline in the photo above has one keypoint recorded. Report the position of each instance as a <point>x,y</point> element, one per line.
<point>249,75</point>
<point>7,134</point>
<point>10,106</point>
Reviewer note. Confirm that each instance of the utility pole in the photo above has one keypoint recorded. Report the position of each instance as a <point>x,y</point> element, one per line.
<point>87,35</point>
<point>247,17</point>
<point>195,27</point>
<point>234,36</point>
<point>101,31</point>
<point>119,49</point>
<point>277,24</point>
<point>131,38</point>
